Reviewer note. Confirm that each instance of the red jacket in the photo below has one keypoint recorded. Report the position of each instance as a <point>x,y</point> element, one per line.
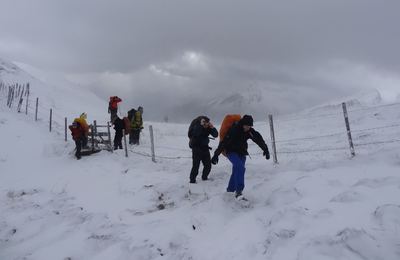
<point>76,131</point>
<point>113,104</point>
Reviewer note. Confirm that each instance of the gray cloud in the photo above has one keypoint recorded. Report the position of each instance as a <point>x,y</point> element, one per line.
<point>292,53</point>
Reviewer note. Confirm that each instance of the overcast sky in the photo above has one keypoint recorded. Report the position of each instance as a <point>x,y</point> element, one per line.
<point>170,55</point>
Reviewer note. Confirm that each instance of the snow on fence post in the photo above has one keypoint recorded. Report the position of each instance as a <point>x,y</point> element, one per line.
<point>153,155</point>
<point>126,147</point>
<point>65,124</point>
<point>346,120</point>
<point>36,110</point>
<point>109,136</point>
<point>51,118</point>
<point>272,132</point>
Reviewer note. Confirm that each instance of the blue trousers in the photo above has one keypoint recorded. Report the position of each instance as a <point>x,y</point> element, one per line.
<point>236,182</point>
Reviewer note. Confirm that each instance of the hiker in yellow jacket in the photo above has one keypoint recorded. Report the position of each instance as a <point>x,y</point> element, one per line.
<point>136,125</point>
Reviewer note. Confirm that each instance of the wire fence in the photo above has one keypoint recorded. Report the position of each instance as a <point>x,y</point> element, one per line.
<point>337,131</point>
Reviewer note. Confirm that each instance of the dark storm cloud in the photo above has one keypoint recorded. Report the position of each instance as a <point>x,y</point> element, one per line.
<point>286,47</point>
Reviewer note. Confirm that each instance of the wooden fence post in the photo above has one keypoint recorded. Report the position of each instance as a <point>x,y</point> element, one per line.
<point>36,110</point>
<point>21,99</point>
<point>109,137</point>
<point>92,134</point>
<point>66,127</point>
<point>51,118</point>
<point>346,120</point>
<point>95,127</point>
<point>27,100</point>
<point>272,132</point>
<point>126,147</point>
<point>153,155</point>
<point>8,96</point>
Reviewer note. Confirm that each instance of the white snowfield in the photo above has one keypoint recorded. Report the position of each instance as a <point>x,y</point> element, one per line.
<point>316,204</point>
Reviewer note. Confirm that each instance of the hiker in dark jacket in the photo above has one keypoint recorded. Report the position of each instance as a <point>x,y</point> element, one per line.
<point>118,126</point>
<point>235,147</point>
<point>200,150</point>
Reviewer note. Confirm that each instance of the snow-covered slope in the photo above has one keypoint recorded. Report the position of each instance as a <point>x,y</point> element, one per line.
<point>313,205</point>
<point>66,99</point>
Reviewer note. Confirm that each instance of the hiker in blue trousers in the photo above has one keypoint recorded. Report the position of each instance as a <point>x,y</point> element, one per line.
<point>234,145</point>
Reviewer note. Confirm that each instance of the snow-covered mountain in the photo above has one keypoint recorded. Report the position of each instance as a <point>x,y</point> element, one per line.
<point>317,203</point>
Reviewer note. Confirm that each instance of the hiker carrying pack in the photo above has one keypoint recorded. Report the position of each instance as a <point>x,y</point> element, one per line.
<point>113,107</point>
<point>79,131</point>
<point>235,145</point>
<point>136,118</point>
<point>198,132</point>
<point>227,123</point>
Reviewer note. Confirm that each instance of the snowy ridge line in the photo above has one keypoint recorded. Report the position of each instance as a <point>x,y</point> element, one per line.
<point>58,128</point>
<point>336,134</point>
<point>334,114</point>
<point>373,107</point>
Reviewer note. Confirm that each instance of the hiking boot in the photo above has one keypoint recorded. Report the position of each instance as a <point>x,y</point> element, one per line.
<point>192,181</point>
<point>204,178</point>
<point>238,194</point>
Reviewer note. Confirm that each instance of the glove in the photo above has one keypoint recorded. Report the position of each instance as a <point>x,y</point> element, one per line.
<point>214,159</point>
<point>266,154</point>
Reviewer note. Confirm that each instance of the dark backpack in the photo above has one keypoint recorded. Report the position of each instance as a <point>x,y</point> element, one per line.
<point>131,114</point>
<point>195,122</point>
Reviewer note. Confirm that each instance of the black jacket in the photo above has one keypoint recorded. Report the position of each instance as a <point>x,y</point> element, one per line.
<point>200,136</point>
<point>119,125</point>
<point>236,140</point>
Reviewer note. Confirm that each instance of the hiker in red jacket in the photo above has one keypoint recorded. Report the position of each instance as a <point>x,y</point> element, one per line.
<point>113,107</point>
<point>78,133</point>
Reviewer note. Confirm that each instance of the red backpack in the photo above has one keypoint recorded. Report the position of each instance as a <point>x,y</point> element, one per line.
<point>227,124</point>
<point>127,125</point>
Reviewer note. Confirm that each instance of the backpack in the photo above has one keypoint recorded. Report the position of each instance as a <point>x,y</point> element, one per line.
<point>131,113</point>
<point>127,125</point>
<point>227,123</point>
<point>191,127</point>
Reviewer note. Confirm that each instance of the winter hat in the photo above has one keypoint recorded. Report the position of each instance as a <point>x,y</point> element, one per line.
<point>247,120</point>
